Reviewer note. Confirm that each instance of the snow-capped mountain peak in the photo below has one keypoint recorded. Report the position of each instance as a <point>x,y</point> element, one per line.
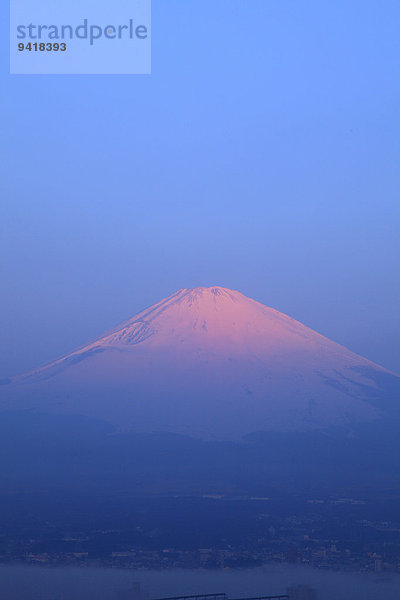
<point>210,361</point>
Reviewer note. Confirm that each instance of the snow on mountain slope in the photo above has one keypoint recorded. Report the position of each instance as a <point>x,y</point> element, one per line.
<point>214,363</point>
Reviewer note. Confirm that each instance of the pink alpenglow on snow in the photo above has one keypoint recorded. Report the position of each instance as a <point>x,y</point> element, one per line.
<point>210,362</point>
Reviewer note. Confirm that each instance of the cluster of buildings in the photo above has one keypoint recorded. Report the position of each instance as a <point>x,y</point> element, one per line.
<point>327,534</point>
<point>208,558</point>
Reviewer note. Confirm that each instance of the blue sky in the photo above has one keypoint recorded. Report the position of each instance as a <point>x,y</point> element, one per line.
<point>262,154</point>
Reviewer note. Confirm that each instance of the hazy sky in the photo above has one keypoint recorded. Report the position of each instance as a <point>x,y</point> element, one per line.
<point>262,154</point>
